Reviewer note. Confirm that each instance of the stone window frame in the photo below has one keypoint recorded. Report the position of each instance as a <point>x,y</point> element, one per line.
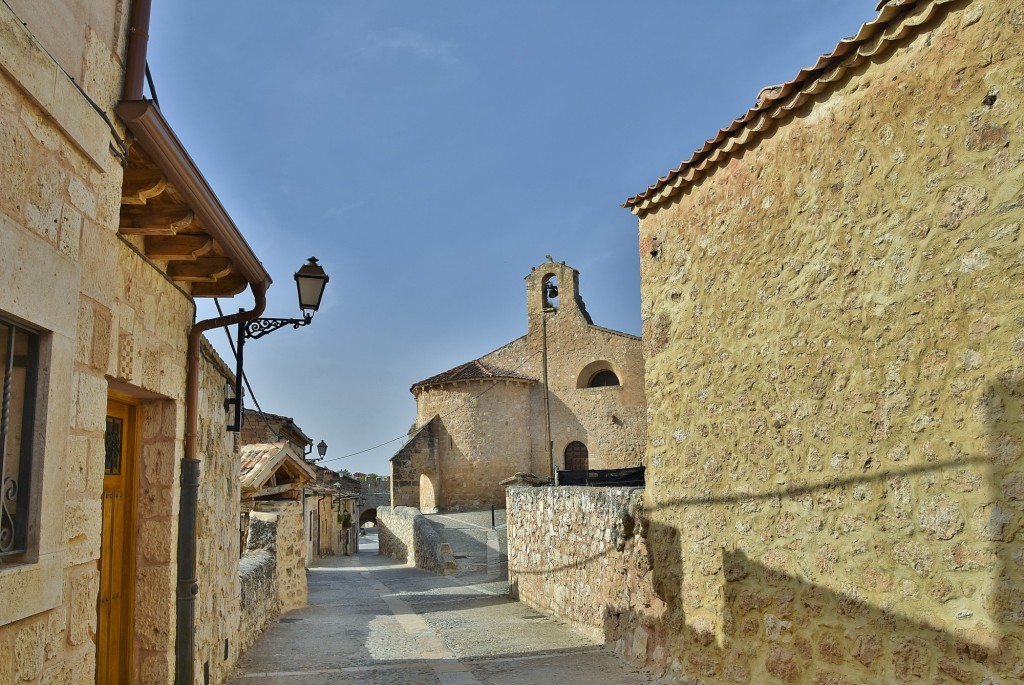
<point>592,370</point>
<point>45,299</point>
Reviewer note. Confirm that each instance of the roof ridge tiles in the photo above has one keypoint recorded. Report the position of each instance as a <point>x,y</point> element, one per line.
<point>774,103</point>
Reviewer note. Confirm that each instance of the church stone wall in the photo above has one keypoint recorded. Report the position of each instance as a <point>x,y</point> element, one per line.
<point>835,370</point>
<point>485,438</point>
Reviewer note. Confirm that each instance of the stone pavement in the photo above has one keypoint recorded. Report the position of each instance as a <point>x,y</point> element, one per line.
<point>372,621</point>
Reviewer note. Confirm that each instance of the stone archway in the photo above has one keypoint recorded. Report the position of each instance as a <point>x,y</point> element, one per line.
<point>368,516</point>
<point>428,493</point>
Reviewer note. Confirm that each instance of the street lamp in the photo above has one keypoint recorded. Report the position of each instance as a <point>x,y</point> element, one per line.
<point>321,449</point>
<point>310,282</point>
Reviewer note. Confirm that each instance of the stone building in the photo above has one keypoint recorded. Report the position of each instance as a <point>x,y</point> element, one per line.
<point>488,419</point>
<point>832,313</point>
<point>108,234</point>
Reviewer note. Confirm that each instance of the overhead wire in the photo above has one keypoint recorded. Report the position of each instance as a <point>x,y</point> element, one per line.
<point>445,415</point>
<point>245,379</point>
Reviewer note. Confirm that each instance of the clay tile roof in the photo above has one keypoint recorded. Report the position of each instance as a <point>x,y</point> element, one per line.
<point>896,20</point>
<point>471,371</point>
<point>261,460</point>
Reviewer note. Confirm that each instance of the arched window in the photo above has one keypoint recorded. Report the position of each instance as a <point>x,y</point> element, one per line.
<point>603,379</point>
<point>576,457</point>
<point>598,374</point>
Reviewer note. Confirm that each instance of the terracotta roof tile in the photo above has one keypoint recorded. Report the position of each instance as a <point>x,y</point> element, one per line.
<point>896,19</point>
<point>470,371</point>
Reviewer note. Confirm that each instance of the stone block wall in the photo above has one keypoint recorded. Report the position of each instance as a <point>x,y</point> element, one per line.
<point>834,363</point>
<point>217,634</point>
<point>581,555</point>
<point>483,438</point>
<point>406,536</point>
<point>414,465</point>
<point>290,550</point>
<point>260,601</point>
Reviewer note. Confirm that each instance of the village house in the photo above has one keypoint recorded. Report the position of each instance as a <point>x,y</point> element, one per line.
<point>323,499</point>
<point>119,540</point>
<point>568,394</point>
<point>834,376</point>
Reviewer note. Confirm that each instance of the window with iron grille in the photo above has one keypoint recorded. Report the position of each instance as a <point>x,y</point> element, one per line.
<point>19,359</point>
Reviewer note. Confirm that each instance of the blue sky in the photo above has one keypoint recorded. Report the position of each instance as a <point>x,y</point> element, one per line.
<point>431,153</point>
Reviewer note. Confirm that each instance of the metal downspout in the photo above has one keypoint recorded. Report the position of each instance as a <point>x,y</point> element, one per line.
<point>135,58</point>
<point>188,586</point>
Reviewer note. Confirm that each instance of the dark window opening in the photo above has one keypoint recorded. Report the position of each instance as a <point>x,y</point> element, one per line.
<point>576,457</point>
<point>603,379</point>
<point>19,360</point>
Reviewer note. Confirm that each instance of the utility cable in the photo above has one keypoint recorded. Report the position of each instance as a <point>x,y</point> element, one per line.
<point>245,379</point>
<point>445,415</point>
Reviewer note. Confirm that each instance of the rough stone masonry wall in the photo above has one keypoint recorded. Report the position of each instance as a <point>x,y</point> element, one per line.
<point>835,369</point>
<point>290,547</point>
<point>485,439</point>
<point>217,635</point>
<point>260,601</point>
<point>403,534</point>
<point>581,555</point>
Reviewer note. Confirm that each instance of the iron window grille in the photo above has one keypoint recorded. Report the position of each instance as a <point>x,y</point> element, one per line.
<point>19,355</point>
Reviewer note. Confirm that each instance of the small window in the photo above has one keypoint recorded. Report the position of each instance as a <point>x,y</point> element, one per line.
<point>19,360</point>
<point>603,379</point>
<point>576,457</point>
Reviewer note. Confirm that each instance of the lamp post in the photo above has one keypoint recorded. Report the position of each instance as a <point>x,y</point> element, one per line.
<point>310,282</point>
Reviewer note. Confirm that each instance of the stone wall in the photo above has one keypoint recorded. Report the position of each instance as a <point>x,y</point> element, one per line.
<point>415,463</point>
<point>260,601</point>
<point>581,555</point>
<point>405,535</point>
<point>217,634</point>
<point>483,438</point>
<point>832,320</point>
<point>290,549</point>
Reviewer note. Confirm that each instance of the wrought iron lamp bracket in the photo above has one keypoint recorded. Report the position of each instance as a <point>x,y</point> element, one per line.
<point>257,328</point>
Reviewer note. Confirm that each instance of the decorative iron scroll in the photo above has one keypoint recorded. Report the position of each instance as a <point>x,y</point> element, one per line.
<point>8,505</point>
<point>258,328</point>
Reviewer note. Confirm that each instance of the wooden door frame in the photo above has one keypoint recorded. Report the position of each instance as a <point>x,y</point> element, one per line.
<point>129,409</point>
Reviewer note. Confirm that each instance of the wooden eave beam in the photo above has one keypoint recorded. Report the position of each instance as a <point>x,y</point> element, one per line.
<point>179,247</point>
<point>141,184</point>
<point>146,220</point>
<point>162,146</point>
<point>202,270</point>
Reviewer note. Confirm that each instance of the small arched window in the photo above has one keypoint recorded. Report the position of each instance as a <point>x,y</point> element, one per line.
<point>576,457</point>
<point>603,379</point>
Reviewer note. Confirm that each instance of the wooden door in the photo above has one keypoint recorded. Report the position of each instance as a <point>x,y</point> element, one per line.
<point>117,546</point>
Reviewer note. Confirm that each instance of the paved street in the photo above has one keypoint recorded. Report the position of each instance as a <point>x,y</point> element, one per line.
<point>374,622</point>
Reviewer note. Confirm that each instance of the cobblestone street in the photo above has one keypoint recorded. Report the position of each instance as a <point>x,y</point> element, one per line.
<point>374,622</point>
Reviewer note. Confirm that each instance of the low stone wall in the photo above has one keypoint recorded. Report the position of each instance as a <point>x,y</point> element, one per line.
<point>257,573</point>
<point>580,555</point>
<point>290,549</point>
<point>401,529</point>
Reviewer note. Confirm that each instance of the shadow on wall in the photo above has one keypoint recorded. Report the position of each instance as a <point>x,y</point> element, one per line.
<point>777,623</point>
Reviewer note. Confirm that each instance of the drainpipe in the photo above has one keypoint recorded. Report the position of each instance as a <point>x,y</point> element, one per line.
<point>135,58</point>
<point>188,586</point>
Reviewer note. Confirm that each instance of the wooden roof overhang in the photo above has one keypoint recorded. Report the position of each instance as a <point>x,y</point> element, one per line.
<point>172,216</point>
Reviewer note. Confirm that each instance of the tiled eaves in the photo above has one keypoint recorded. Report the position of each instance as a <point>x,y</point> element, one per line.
<point>472,371</point>
<point>895,21</point>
